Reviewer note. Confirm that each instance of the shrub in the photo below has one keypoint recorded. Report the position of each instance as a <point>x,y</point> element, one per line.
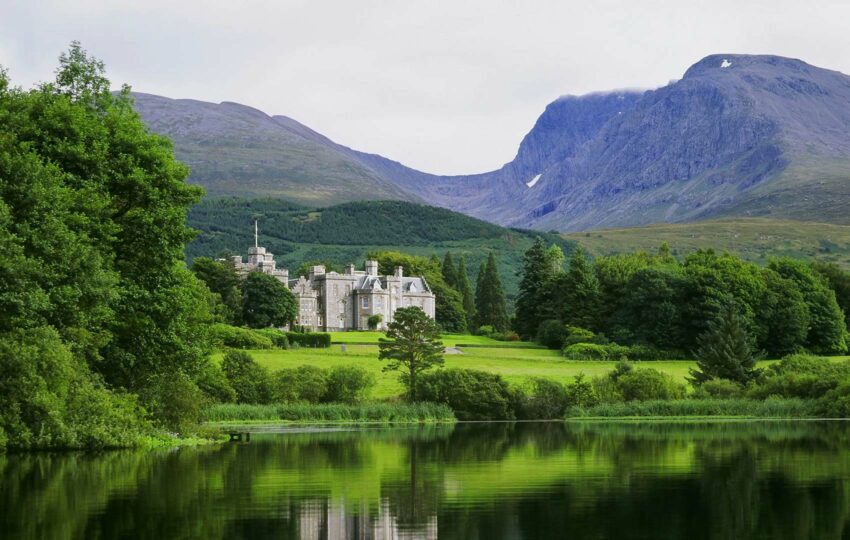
<point>580,393</point>
<point>551,334</point>
<point>802,376</point>
<point>277,337</point>
<point>214,384</point>
<point>486,330</point>
<point>719,389</point>
<point>472,394</point>
<point>315,340</point>
<point>546,400</point>
<point>647,383</point>
<point>224,335</point>
<point>48,398</point>
<point>304,383</point>
<point>574,335</point>
<point>374,321</point>
<point>248,379</point>
<point>348,384</point>
<point>595,351</point>
<point>174,401</point>
<point>836,402</point>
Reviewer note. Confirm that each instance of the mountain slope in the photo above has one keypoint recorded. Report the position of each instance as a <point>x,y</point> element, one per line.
<point>236,150</point>
<point>737,136</point>
<point>344,233</point>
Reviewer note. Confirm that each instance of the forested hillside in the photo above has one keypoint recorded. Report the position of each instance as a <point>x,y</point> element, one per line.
<point>345,233</point>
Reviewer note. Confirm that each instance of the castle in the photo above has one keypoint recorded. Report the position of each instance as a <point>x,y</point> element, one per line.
<point>334,302</point>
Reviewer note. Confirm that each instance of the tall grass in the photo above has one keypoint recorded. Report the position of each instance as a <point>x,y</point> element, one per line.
<point>384,413</point>
<point>768,408</point>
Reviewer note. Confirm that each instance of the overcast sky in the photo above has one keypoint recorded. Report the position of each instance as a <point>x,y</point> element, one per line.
<point>445,87</point>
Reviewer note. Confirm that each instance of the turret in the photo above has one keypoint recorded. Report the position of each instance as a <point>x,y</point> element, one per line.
<point>372,268</point>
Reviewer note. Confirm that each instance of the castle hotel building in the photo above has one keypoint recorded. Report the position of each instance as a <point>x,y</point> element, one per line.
<point>333,302</point>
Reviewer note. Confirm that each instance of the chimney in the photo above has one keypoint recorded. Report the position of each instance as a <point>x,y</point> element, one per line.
<point>349,270</point>
<point>399,271</point>
<point>372,268</point>
<point>316,271</point>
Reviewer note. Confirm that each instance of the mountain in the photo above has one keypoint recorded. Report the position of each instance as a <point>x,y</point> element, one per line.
<point>736,136</point>
<point>345,233</point>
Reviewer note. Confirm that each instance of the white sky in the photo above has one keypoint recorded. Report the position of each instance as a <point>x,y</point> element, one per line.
<point>445,87</point>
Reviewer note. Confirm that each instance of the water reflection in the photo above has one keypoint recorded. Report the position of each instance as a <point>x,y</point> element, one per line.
<point>489,481</point>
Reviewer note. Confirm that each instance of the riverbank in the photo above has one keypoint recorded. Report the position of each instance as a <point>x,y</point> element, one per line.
<point>298,413</point>
<point>778,408</point>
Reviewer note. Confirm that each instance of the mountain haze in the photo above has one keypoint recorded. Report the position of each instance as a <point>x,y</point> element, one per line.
<point>737,136</point>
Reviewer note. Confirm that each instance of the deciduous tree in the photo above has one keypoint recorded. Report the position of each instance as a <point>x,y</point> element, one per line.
<point>412,345</point>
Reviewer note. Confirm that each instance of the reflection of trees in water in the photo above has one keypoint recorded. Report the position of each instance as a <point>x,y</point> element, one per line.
<point>719,481</point>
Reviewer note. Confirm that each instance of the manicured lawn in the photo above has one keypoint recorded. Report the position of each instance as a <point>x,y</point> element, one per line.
<point>515,364</point>
<point>449,340</point>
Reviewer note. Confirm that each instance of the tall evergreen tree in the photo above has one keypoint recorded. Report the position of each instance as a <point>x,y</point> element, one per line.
<point>724,349</point>
<point>490,302</point>
<point>582,296</point>
<point>412,346</point>
<point>465,288</point>
<point>450,272</point>
<point>536,268</point>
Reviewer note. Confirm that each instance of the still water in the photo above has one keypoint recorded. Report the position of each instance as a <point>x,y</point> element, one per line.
<point>734,480</point>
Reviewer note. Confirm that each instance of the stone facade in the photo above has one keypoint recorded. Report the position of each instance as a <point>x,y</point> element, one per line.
<point>333,302</point>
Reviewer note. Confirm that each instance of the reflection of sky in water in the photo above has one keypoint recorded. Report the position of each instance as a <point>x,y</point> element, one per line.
<point>489,481</point>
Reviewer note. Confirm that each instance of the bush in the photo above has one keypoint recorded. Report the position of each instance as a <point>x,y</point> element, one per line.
<point>595,351</point>
<point>302,384</point>
<point>472,394</point>
<point>836,402</point>
<point>802,376</point>
<point>551,334</point>
<point>646,384</point>
<point>348,384</point>
<point>224,335</point>
<point>374,321</point>
<point>277,337</point>
<point>174,401</point>
<point>248,379</point>
<point>574,335</point>
<point>486,330</point>
<point>214,384</point>
<point>718,389</point>
<point>48,398</point>
<point>311,339</point>
<point>580,393</point>
<point>546,400</point>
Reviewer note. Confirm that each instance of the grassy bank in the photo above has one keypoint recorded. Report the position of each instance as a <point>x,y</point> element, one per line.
<point>369,413</point>
<point>697,408</point>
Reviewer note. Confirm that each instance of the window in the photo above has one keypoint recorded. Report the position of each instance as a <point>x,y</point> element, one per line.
<point>365,302</point>
<point>378,302</point>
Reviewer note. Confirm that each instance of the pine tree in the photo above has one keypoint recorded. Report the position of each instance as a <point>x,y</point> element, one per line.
<point>724,350</point>
<point>490,300</point>
<point>465,288</point>
<point>535,271</point>
<point>582,296</point>
<point>449,272</point>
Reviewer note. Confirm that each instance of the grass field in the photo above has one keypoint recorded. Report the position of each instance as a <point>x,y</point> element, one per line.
<point>754,239</point>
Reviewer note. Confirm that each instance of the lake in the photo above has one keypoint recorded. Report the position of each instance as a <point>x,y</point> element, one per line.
<point>719,480</point>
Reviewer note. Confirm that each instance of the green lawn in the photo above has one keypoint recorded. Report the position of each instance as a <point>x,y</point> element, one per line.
<point>516,362</point>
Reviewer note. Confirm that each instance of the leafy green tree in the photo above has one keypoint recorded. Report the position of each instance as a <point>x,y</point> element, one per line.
<point>536,269</point>
<point>374,321</point>
<point>412,346</point>
<point>266,301</point>
<point>490,303</point>
<point>827,327</point>
<point>551,333</point>
<point>465,289</point>
<point>782,317</point>
<point>725,350</point>
<point>555,259</point>
<point>582,296</point>
<point>221,279</point>
<point>348,384</point>
<point>839,281</point>
<point>649,311</point>
<point>450,272</point>
<point>249,379</point>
